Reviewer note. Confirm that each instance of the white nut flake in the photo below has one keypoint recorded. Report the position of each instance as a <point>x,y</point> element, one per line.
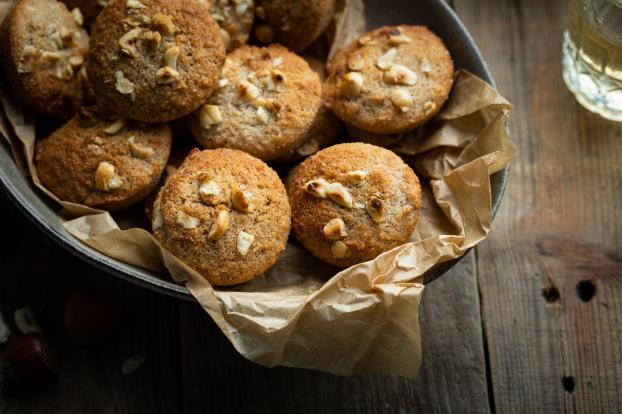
<point>187,221</point>
<point>245,240</point>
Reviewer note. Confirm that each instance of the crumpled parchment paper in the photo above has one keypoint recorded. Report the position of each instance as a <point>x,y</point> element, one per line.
<point>302,313</point>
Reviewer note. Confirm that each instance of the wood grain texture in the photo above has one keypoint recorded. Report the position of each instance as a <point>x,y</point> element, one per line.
<point>452,379</point>
<point>550,272</point>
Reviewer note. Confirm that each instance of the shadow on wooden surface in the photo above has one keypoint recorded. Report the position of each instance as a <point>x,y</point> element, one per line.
<point>550,274</point>
<point>191,367</point>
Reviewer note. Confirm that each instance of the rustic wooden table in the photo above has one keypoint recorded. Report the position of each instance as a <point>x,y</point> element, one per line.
<point>529,322</point>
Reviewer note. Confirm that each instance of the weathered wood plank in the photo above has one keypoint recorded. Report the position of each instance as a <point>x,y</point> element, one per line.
<point>559,225</point>
<point>452,379</point>
<point>37,273</point>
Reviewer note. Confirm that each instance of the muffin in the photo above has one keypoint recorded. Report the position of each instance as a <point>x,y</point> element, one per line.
<point>89,8</point>
<point>265,106</point>
<point>293,23</point>
<point>154,60</point>
<point>351,202</point>
<point>44,49</point>
<point>225,214</point>
<point>390,80</point>
<point>324,130</point>
<point>235,18</point>
<point>102,160</point>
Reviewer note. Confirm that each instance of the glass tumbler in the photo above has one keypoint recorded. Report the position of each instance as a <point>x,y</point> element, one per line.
<point>592,55</point>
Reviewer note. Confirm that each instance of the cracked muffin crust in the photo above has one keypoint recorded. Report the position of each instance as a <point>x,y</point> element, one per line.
<point>103,160</point>
<point>293,23</point>
<point>42,57</point>
<point>154,60</point>
<point>390,80</point>
<point>225,214</point>
<point>266,103</point>
<point>351,202</point>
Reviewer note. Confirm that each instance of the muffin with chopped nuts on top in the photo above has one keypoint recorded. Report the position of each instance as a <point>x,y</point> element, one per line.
<point>390,80</point>
<point>102,160</point>
<point>44,48</point>
<point>154,60</point>
<point>351,202</point>
<point>267,100</point>
<point>225,214</point>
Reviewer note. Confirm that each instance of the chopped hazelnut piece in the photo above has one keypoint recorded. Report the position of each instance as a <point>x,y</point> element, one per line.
<point>429,106</point>
<point>115,127</point>
<point>126,42</point>
<point>356,177</point>
<point>167,75</point>
<point>386,61</point>
<point>154,37</point>
<point>355,61</point>
<point>139,150</point>
<point>339,250</point>
<point>209,191</point>
<point>263,115</point>
<point>240,9</point>
<point>123,85</point>
<point>425,66</point>
<point>248,91</point>
<point>106,177</point>
<point>352,84</point>
<point>210,115</point>
<point>170,57</point>
<point>244,242</point>
<point>220,226</point>
<point>400,75</point>
<point>241,200</point>
<point>375,208</point>
<point>163,23</point>
<point>317,187</point>
<point>396,37</point>
<point>402,99</point>
<point>339,194</point>
<point>77,16</point>
<point>29,53</point>
<point>366,40</point>
<point>134,4</point>
<point>187,221</point>
<point>335,229</point>
<point>48,59</point>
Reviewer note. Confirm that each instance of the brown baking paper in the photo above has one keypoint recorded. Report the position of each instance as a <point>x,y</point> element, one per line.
<point>301,313</point>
